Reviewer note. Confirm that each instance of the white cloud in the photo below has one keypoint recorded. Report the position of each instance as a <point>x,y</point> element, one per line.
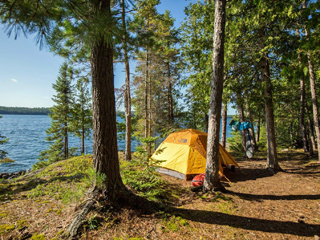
<point>14,80</point>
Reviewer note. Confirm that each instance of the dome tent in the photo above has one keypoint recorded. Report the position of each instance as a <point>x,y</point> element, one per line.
<point>183,154</point>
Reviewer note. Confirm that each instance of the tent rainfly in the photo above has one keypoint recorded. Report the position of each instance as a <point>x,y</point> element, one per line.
<point>183,154</point>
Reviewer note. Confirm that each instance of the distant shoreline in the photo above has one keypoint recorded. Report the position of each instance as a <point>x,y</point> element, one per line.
<point>41,111</point>
<point>24,110</point>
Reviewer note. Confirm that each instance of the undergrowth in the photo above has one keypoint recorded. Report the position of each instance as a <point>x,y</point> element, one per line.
<point>144,179</point>
<point>68,180</point>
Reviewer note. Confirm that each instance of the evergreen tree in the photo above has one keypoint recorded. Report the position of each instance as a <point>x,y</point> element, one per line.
<point>3,140</point>
<point>81,122</point>
<point>92,26</point>
<point>60,118</point>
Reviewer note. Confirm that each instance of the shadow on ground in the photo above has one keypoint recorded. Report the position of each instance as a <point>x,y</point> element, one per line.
<point>248,223</point>
<point>247,174</point>
<point>254,197</point>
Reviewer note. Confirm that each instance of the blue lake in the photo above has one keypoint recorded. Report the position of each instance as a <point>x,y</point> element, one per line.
<point>27,135</point>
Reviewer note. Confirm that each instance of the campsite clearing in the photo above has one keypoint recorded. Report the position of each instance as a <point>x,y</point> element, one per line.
<point>258,205</point>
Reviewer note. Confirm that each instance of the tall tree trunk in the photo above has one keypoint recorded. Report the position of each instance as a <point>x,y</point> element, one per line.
<point>146,101</point>
<point>150,111</point>
<point>66,148</point>
<point>105,149</point>
<point>313,93</point>
<point>82,137</point>
<point>272,161</point>
<point>254,143</point>
<point>311,130</point>
<point>170,100</point>
<point>310,140</point>
<point>127,96</point>
<point>241,119</point>
<point>258,129</point>
<point>224,125</point>
<point>302,106</point>
<point>212,164</point>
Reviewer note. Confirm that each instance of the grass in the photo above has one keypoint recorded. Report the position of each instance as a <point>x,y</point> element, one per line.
<point>43,203</point>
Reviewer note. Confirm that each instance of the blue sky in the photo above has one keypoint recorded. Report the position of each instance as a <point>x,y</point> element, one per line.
<point>27,74</point>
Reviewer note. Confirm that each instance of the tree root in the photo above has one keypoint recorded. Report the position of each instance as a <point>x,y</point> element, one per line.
<point>73,229</point>
<point>96,197</point>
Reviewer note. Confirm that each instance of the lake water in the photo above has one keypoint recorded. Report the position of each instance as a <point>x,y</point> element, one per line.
<point>27,135</point>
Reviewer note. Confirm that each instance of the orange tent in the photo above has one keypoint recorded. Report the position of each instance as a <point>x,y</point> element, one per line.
<point>183,154</point>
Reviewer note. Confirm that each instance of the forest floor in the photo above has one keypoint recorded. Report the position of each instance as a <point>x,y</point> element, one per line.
<point>257,205</point>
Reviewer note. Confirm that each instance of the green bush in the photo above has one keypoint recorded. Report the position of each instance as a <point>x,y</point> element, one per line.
<point>142,178</point>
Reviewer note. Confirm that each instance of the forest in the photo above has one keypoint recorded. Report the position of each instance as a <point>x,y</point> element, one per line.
<point>260,56</point>
<point>24,110</point>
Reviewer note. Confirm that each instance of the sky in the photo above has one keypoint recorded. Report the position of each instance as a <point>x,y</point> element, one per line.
<point>27,74</point>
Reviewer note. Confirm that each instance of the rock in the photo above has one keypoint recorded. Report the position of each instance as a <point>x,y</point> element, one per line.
<point>4,175</point>
<point>14,174</point>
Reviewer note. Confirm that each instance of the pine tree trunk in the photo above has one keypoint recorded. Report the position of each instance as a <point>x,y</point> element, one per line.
<point>146,101</point>
<point>254,143</point>
<point>314,99</point>
<point>224,125</point>
<point>82,137</point>
<point>258,130</point>
<point>310,140</point>
<point>170,100</point>
<point>302,107</point>
<point>127,97</point>
<point>241,119</point>
<point>272,161</point>
<point>105,149</point>
<point>66,138</point>
<point>313,91</point>
<point>150,111</point>
<point>212,169</point>
<point>311,130</point>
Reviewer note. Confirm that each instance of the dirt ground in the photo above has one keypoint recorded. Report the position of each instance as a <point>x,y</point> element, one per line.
<point>258,205</point>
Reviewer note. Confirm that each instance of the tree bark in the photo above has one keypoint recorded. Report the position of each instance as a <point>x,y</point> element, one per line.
<point>311,131</point>
<point>105,149</point>
<point>224,125</point>
<point>310,139</point>
<point>82,125</point>
<point>170,99</point>
<point>313,93</point>
<point>127,96</point>
<point>241,119</point>
<point>146,101</point>
<point>66,148</point>
<point>258,129</point>
<point>212,165</point>
<point>272,161</point>
<point>150,111</point>
<point>302,106</point>
<point>254,143</point>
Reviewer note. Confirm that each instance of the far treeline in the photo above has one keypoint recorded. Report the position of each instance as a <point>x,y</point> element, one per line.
<point>24,110</point>
<point>34,111</point>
